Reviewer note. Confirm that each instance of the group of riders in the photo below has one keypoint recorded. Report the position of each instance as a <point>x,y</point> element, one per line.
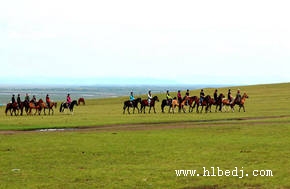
<point>48,101</point>
<point>201,94</point>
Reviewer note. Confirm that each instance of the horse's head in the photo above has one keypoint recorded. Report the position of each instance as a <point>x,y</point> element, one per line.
<point>245,95</point>
<point>156,98</point>
<point>138,100</point>
<point>74,102</point>
<point>207,98</point>
<point>221,96</point>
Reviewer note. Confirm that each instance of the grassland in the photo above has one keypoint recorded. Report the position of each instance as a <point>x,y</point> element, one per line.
<point>144,150</point>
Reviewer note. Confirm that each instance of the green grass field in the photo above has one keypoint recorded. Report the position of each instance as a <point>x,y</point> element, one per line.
<point>144,150</point>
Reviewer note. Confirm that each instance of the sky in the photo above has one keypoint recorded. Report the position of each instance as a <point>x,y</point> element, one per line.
<point>144,42</point>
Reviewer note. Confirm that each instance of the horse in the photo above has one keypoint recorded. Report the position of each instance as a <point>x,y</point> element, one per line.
<point>24,105</point>
<point>172,104</point>
<point>168,102</point>
<point>133,104</point>
<point>226,103</point>
<point>12,107</point>
<point>81,100</point>
<point>145,103</point>
<point>189,102</point>
<point>241,102</point>
<point>206,102</point>
<point>50,107</point>
<point>35,106</point>
<point>217,102</point>
<point>65,106</point>
<point>45,106</point>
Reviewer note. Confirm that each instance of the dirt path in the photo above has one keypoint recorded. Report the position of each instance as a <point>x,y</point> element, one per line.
<point>157,126</point>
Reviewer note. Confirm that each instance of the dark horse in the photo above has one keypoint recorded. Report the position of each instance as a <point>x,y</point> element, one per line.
<point>206,102</point>
<point>81,100</point>
<point>24,105</point>
<point>218,102</point>
<point>65,106</point>
<point>145,103</point>
<point>133,104</point>
<point>12,107</point>
<point>166,102</point>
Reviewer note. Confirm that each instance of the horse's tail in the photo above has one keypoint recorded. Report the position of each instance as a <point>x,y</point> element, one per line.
<point>60,108</point>
<point>6,110</point>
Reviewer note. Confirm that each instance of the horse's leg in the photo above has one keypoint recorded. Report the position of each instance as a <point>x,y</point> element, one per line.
<point>201,109</point>
<point>154,109</point>
<point>138,109</point>
<point>124,108</point>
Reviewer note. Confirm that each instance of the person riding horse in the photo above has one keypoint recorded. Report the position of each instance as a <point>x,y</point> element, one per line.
<point>13,99</point>
<point>47,99</point>
<point>238,97</point>
<point>149,97</point>
<point>215,95</point>
<point>34,100</point>
<point>68,100</point>
<point>179,97</point>
<point>230,98</point>
<point>202,95</point>
<point>131,98</point>
<point>168,98</point>
<point>27,99</point>
<point>186,96</point>
<point>18,100</point>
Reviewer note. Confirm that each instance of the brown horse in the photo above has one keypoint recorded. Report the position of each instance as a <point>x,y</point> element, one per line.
<point>206,102</point>
<point>226,103</point>
<point>45,106</point>
<point>81,100</point>
<point>187,101</point>
<point>50,107</point>
<point>12,107</point>
<point>35,106</point>
<point>242,101</point>
<point>175,104</point>
<point>145,103</point>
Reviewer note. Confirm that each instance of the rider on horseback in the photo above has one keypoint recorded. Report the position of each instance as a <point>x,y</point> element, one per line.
<point>68,100</point>
<point>186,96</point>
<point>27,98</point>
<point>149,97</point>
<point>201,96</point>
<point>238,97</point>
<point>168,98</point>
<point>230,96</point>
<point>13,99</point>
<point>179,97</point>
<point>215,95</point>
<point>47,99</point>
<point>18,100</point>
<point>132,98</point>
<point>34,100</point>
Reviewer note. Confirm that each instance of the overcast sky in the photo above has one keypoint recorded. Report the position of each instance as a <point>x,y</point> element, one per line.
<point>196,42</point>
